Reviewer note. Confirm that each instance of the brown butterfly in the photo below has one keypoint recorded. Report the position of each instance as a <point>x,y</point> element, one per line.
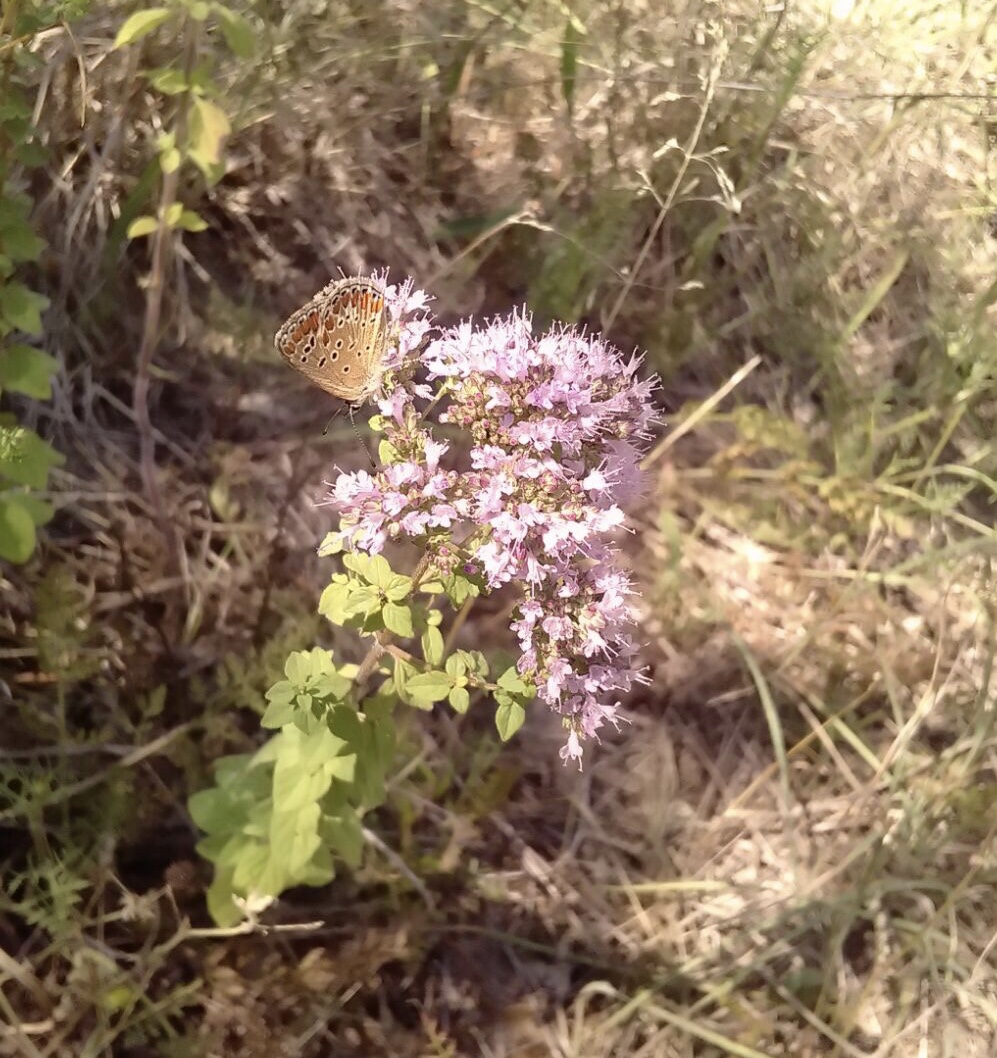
<point>338,339</point>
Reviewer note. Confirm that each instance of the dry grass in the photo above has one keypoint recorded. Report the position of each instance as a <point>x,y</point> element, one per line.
<point>790,850</point>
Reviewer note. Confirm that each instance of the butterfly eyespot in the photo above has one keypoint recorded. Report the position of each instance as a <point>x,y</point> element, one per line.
<point>339,343</point>
<point>304,358</point>
<point>321,362</point>
<point>346,369</point>
<point>334,356</point>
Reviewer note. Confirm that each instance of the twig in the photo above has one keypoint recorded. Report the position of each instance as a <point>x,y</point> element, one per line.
<point>673,191</point>
<point>399,864</point>
<point>251,925</point>
<point>161,244</point>
<point>701,412</point>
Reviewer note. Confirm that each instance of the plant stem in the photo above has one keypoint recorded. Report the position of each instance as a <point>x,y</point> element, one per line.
<point>161,246</point>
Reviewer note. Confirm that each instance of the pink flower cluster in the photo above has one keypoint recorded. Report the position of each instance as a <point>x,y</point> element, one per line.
<point>555,426</point>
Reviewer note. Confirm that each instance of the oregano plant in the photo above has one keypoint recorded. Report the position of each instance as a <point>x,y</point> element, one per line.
<point>544,436</point>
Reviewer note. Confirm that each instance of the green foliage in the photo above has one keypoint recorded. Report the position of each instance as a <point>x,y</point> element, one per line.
<point>48,892</point>
<point>513,694</point>
<point>275,818</point>
<point>572,266</point>
<point>200,123</point>
<point>281,816</point>
<point>25,459</point>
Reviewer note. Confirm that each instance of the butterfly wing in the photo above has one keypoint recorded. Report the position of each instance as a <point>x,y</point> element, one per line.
<point>338,339</point>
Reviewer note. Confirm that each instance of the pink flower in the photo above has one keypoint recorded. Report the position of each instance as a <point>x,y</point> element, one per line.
<point>555,426</point>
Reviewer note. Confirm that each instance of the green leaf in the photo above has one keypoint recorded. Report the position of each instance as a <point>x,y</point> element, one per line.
<point>432,646</point>
<point>512,683</point>
<point>460,588</point>
<point>13,107</point>
<point>425,688</point>
<point>279,713</point>
<point>294,788</point>
<point>221,905</point>
<point>212,810</point>
<point>140,24</point>
<point>191,221</point>
<point>142,226</point>
<point>346,836</point>
<point>332,544</point>
<point>363,599</point>
<point>357,563</point>
<point>403,672</point>
<point>343,768</point>
<point>155,702</point>
<point>345,723</point>
<point>17,240</point>
<point>509,719</point>
<point>41,512</point>
<point>379,573</point>
<point>250,860</point>
<point>283,691</point>
<point>25,458</point>
<point>387,453</point>
<point>371,735</point>
<point>297,668</point>
<point>456,666</point>
<point>237,31</point>
<point>332,686</point>
<point>201,82</point>
<point>21,307</point>
<point>223,809</point>
<point>199,9</point>
<point>294,844</point>
<point>398,619</point>
<point>460,699</point>
<point>168,80</point>
<point>17,530</point>
<point>306,766</point>
<point>398,587</point>
<point>473,661</point>
<point>209,126</point>
<point>304,666</point>
<point>513,694</point>
<point>30,154</point>
<point>569,63</point>
<point>334,598</point>
<point>27,370</point>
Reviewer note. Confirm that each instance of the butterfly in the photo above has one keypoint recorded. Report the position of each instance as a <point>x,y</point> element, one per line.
<point>338,339</point>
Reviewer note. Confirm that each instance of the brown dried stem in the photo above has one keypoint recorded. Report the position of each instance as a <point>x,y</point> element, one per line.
<point>161,249</point>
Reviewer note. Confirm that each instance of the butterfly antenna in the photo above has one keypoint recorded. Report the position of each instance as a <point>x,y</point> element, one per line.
<point>353,423</point>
